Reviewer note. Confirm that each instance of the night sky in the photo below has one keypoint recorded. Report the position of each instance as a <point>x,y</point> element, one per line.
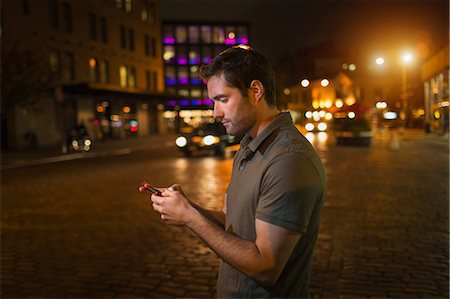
<point>361,27</point>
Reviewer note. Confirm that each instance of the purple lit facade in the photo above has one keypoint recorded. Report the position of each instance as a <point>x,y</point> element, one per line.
<point>188,45</point>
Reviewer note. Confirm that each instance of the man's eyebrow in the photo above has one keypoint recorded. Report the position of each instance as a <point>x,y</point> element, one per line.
<point>217,97</point>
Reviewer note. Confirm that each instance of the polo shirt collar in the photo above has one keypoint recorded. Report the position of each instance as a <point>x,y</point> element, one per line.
<point>281,120</point>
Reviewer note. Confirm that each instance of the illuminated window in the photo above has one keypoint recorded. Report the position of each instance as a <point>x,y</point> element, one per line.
<point>169,54</point>
<point>183,92</point>
<point>196,93</point>
<point>128,6</point>
<point>123,74</point>
<point>206,34</point>
<point>195,80</point>
<point>182,55</point>
<point>194,55</point>
<point>180,34</point>
<point>168,37</point>
<point>218,35</point>
<point>242,35</point>
<point>132,77</point>
<point>206,55</point>
<point>170,75</point>
<point>183,75</point>
<point>193,34</point>
<point>93,70</point>
<point>230,35</point>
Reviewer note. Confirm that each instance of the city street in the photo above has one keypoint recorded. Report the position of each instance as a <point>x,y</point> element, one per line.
<point>79,228</point>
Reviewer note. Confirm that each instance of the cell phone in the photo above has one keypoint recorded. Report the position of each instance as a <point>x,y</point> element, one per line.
<point>151,189</point>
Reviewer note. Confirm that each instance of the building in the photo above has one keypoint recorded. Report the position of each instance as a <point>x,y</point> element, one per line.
<point>186,46</point>
<point>99,61</point>
<point>318,98</point>
<point>435,74</point>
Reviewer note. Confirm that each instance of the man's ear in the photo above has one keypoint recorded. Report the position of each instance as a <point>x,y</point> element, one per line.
<point>257,89</point>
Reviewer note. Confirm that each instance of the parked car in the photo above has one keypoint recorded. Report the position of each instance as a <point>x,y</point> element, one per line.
<point>207,138</point>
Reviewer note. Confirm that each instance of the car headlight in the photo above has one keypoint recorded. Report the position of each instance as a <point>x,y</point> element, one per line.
<point>75,144</point>
<point>322,126</point>
<point>210,140</point>
<point>309,127</point>
<point>87,142</point>
<point>181,141</point>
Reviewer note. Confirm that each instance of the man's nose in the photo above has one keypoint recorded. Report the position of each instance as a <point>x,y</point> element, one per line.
<point>218,113</point>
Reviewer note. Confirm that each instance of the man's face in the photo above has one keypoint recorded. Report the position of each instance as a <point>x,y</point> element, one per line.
<point>238,113</point>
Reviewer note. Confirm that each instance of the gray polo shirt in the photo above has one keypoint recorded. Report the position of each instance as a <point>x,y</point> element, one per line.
<point>277,178</point>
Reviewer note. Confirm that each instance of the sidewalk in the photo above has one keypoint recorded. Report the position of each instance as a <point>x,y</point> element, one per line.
<point>11,159</point>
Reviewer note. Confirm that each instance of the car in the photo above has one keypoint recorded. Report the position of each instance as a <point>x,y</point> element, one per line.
<point>211,137</point>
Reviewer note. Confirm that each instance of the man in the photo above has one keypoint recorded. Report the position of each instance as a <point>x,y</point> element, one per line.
<point>267,229</point>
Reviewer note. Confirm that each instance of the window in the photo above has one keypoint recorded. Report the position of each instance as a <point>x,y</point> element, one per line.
<point>206,34</point>
<point>103,30</point>
<point>242,35</point>
<point>123,38</point>
<point>93,70</point>
<point>104,71</point>
<point>170,75</point>
<point>183,75</point>
<point>194,55</point>
<point>148,80</point>
<point>132,77</point>
<point>169,54</point>
<point>206,55</point>
<point>55,62</point>
<point>131,39</point>
<point>155,81</point>
<point>25,7</point>
<point>193,34</point>
<point>230,38</point>
<point>128,6</point>
<point>168,36</point>
<point>196,93</point>
<point>218,35</point>
<point>180,34</point>
<point>182,55</point>
<point>93,26</point>
<point>123,74</point>
<point>193,74</point>
<point>67,17</point>
<point>150,47</point>
<point>53,13</point>
<point>148,12</point>
<point>68,69</point>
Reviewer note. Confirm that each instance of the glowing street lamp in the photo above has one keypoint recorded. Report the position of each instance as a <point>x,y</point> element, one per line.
<point>305,83</point>
<point>324,82</point>
<point>379,61</point>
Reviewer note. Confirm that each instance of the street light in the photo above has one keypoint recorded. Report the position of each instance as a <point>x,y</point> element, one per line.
<point>305,83</point>
<point>379,60</point>
<point>407,58</point>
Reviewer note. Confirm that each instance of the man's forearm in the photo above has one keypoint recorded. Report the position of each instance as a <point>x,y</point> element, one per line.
<point>241,254</point>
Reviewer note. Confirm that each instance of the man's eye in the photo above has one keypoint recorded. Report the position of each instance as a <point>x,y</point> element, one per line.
<point>223,100</point>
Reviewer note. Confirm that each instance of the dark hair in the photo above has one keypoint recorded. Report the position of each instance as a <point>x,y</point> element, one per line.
<point>241,65</point>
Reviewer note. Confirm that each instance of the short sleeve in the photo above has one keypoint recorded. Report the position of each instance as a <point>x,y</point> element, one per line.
<point>291,188</point>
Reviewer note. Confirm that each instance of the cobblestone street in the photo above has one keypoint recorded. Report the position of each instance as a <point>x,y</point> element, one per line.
<point>80,228</point>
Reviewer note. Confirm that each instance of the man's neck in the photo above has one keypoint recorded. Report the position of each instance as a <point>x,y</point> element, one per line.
<point>264,121</point>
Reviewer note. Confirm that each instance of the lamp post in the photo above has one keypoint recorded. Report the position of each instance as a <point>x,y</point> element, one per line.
<point>406,59</point>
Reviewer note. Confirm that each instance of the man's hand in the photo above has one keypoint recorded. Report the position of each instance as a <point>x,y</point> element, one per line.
<point>174,207</point>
